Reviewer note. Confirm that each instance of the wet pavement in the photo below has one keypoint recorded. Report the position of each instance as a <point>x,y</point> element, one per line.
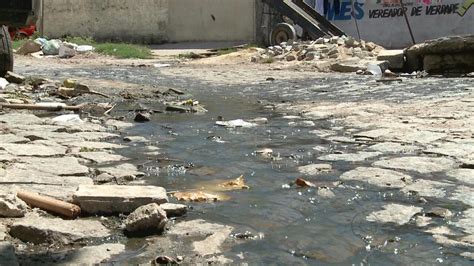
<point>290,225</point>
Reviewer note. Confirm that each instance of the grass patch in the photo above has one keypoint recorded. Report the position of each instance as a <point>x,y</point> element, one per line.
<point>18,43</point>
<point>119,50</point>
<point>190,56</point>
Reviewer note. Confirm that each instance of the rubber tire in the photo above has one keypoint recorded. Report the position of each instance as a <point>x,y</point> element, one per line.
<point>282,32</point>
<point>6,52</point>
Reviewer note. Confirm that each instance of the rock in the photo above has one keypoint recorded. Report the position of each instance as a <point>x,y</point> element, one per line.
<point>94,146</point>
<point>66,52</point>
<point>442,63</point>
<point>266,152</point>
<point>11,138</point>
<point>142,117</point>
<point>104,178</point>
<point>135,139</point>
<point>7,254</point>
<point>33,150</point>
<point>311,56</point>
<point>422,221</point>
<point>212,235</point>
<point>117,199</point>
<point>40,230</point>
<point>326,193</point>
<point>370,46</point>
<point>29,47</point>
<point>439,212</point>
<point>458,150</point>
<point>348,66</point>
<point>319,41</point>
<point>174,210</point>
<point>91,255</point>
<point>101,157</point>
<point>427,188</point>
<point>290,58</point>
<point>423,165</point>
<point>315,169</point>
<point>440,230</point>
<point>464,175</point>
<point>65,166</point>
<point>123,171</point>
<point>464,194</point>
<point>392,147</point>
<point>350,157</point>
<point>14,78</point>
<point>11,206</point>
<point>394,213</point>
<point>149,217</point>
<point>395,58</point>
<point>378,177</point>
<point>466,222</point>
<point>468,255</point>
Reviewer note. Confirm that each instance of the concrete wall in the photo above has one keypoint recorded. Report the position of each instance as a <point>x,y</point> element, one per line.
<point>152,21</point>
<point>385,24</point>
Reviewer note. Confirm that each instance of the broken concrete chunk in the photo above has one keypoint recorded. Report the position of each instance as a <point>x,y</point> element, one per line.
<point>40,230</point>
<point>14,78</point>
<point>93,255</point>
<point>117,199</point>
<point>149,217</point>
<point>394,213</point>
<point>423,165</point>
<point>395,58</point>
<point>12,206</point>
<point>213,235</point>
<point>378,177</point>
<point>174,210</point>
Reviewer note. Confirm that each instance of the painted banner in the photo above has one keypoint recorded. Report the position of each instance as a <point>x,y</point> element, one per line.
<point>383,21</point>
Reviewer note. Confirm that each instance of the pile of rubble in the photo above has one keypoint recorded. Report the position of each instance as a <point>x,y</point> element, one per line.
<point>321,49</point>
<point>43,47</point>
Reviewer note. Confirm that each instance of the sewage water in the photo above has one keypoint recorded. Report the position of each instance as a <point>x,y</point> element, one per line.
<point>291,225</point>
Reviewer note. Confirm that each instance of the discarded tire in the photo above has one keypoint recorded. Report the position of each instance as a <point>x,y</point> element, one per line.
<point>282,32</point>
<point>6,51</point>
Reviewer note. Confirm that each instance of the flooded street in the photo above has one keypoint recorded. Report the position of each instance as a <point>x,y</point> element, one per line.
<point>277,222</point>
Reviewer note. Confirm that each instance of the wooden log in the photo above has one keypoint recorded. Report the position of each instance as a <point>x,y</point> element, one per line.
<point>41,107</point>
<point>50,204</point>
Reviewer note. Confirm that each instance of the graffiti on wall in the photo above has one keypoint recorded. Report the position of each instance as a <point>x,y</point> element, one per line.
<point>358,9</point>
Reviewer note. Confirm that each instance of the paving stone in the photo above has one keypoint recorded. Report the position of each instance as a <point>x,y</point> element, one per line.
<point>92,255</point>
<point>427,188</point>
<point>393,147</point>
<point>11,138</point>
<point>422,165</point>
<point>16,174</point>
<point>464,194</point>
<point>409,136</point>
<point>350,157</point>
<point>212,235</point>
<point>394,213</point>
<point>64,166</point>
<point>315,169</point>
<point>39,230</point>
<point>16,118</point>
<point>96,136</point>
<point>464,175</point>
<point>94,146</point>
<point>124,171</point>
<point>32,150</point>
<point>378,177</point>
<point>58,137</point>
<point>101,157</point>
<point>112,199</point>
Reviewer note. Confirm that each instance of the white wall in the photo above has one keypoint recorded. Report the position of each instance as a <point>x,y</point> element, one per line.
<point>392,32</point>
<point>152,21</point>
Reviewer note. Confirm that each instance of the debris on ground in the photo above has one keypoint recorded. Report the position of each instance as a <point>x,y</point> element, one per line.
<point>150,218</point>
<point>196,196</point>
<point>238,183</point>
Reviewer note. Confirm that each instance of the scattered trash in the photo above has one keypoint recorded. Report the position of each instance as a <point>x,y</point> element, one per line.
<point>304,183</point>
<point>50,204</point>
<point>161,65</point>
<point>71,118</point>
<point>236,184</point>
<point>3,83</point>
<point>374,69</point>
<point>82,49</point>
<point>51,47</point>
<point>235,123</point>
<point>197,196</point>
